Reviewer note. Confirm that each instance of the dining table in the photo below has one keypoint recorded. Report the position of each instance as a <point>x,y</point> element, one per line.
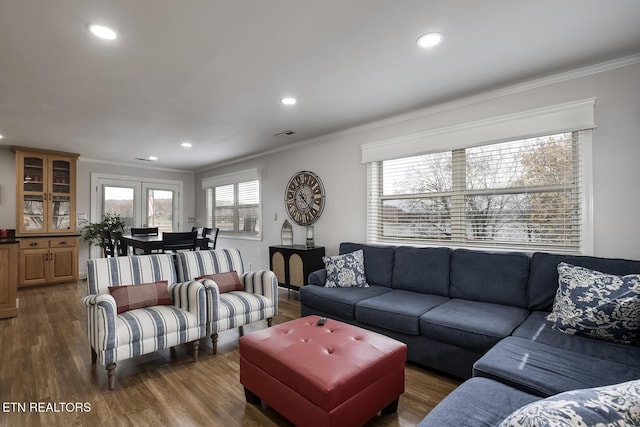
<point>150,243</point>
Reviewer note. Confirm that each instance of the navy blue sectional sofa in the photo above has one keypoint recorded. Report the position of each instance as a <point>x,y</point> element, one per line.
<point>477,314</point>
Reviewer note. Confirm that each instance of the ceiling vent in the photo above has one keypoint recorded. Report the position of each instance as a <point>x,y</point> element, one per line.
<point>144,160</point>
<point>286,133</point>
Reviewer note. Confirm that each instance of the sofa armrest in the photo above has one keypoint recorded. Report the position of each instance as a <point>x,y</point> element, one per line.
<point>190,296</point>
<point>262,282</point>
<point>318,277</point>
<point>101,321</point>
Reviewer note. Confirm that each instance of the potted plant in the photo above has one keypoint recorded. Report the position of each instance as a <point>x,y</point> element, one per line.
<point>112,222</point>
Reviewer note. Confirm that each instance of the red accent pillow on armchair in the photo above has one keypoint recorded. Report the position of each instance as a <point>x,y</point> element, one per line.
<point>138,296</point>
<point>226,282</point>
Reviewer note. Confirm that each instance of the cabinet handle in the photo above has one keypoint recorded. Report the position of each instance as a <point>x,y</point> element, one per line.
<point>33,244</point>
<point>46,256</point>
<point>64,242</point>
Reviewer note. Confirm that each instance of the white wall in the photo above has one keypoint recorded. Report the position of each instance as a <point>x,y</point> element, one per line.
<point>7,188</point>
<point>336,159</point>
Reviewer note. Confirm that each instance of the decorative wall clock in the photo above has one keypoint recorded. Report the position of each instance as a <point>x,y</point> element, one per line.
<point>304,197</point>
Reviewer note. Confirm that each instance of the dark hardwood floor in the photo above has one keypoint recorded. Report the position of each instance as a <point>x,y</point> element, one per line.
<point>47,379</point>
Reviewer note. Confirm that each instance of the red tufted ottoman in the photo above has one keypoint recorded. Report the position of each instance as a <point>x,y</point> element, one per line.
<point>331,375</point>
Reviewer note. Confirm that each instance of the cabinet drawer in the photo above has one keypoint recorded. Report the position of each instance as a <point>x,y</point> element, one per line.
<point>34,243</point>
<point>63,242</point>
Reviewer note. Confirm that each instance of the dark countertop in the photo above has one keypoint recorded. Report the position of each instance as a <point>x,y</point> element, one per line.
<point>8,240</point>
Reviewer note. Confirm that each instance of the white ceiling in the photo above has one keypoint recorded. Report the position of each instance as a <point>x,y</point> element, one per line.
<point>213,71</point>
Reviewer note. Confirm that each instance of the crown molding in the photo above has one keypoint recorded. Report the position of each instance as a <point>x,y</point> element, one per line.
<point>131,165</point>
<point>458,103</point>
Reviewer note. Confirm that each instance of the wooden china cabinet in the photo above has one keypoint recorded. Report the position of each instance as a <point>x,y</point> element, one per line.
<point>45,216</point>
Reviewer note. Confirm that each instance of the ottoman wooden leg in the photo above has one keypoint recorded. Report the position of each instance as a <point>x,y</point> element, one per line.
<point>391,407</point>
<point>269,322</point>
<point>251,397</point>
<point>94,355</point>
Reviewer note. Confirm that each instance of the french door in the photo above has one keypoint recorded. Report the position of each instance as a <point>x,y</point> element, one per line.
<point>139,202</point>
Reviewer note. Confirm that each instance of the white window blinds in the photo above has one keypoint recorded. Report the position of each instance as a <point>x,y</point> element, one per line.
<point>233,204</point>
<point>524,194</point>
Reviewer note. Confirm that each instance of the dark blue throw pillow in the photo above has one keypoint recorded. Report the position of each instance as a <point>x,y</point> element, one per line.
<point>597,304</point>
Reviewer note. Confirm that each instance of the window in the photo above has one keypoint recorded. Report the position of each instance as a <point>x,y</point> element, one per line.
<point>521,194</point>
<point>233,204</point>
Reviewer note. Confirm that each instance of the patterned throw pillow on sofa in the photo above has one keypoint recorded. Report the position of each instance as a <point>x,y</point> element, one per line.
<point>613,405</point>
<point>345,271</point>
<point>597,304</point>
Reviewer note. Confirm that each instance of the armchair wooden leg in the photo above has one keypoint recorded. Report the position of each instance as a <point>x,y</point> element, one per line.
<point>196,347</point>
<point>94,356</point>
<point>241,329</point>
<point>214,342</point>
<point>269,322</point>
<point>111,370</point>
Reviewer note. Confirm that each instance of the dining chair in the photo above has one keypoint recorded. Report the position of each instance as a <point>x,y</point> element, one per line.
<point>144,231</point>
<point>121,248</point>
<point>210,238</point>
<point>107,244</point>
<point>172,242</point>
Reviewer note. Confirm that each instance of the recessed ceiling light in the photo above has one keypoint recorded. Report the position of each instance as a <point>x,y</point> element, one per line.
<point>186,144</point>
<point>1,136</point>
<point>429,40</point>
<point>153,158</point>
<point>102,32</point>
<point>288,100</point>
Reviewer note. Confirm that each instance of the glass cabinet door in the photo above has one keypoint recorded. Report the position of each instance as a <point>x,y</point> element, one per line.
<point>45,193</point>
<point>33,194</point>
<point>60,196</point>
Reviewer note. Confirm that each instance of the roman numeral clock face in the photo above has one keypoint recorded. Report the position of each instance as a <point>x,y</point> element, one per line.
<point>304,197</point>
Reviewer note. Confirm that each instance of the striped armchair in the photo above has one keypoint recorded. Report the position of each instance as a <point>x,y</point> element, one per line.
<point>114,337</point>
<point>258,301</point>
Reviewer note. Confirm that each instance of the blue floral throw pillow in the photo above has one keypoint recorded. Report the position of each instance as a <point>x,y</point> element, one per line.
<point>614,405</point>
<point>597,304</point>
<point>345,271</point>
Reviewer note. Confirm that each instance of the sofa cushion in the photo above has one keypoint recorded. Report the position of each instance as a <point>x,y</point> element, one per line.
<point>397,310</point>
<point>378,262</point>
<point>345,271</point>
<point>337,302</point>
<point>147,327</point>
<point>473,325</point>
<point>499,278</point>
<point>478,402</point>
<point>613,405</point>
<point>537,328</point>
<point>597,305</point>
<point>423,270</point>
<point>138,296</point>
<point>545,370</point>
<point>543,279</point>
